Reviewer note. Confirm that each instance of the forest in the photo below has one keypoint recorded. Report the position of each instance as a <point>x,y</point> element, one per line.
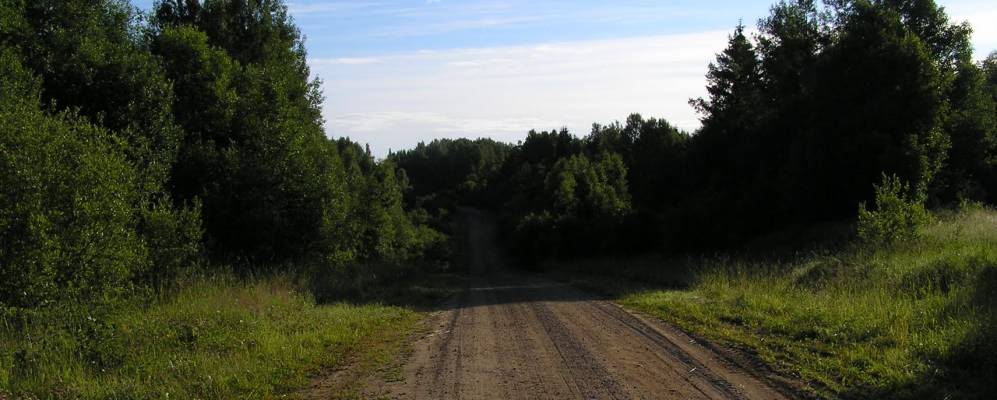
<point>135,150</point>
<point>802,122</point>
<point>154,160</point>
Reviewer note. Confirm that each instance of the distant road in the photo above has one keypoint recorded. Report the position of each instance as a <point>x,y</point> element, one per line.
<point>511,336</point>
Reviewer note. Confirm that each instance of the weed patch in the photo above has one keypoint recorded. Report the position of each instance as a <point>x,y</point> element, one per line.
<point>215,338</point>
<point>914,319</point>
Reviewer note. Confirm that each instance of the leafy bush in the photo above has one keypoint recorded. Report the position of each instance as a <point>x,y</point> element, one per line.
<point>898,215</point>
<point>174,239</point>
<point>67,197</point>
<point>580,186</point>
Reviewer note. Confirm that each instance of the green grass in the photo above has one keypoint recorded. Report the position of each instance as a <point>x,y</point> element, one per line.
<point>213,339</point>
<point>915,320</point>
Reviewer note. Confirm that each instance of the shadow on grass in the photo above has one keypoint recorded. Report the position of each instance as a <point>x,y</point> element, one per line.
<point>615,278</point>
<point>481,266</point>
<point>968,370</point>
<point>418,290</point>
<point>965,369</point>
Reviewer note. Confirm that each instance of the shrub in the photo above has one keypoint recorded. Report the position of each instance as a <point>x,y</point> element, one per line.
<point>174,239</point>
<point>898,215</point>
<point>67,201</point>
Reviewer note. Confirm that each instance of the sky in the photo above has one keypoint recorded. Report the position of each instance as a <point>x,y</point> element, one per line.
<point>397,72</point>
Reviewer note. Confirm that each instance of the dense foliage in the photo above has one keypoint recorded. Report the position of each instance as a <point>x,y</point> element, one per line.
<point>139,146</point>
<point>800,122</point>
<point>897,216</point>
<point>136,148</point>
<point>69,196</point>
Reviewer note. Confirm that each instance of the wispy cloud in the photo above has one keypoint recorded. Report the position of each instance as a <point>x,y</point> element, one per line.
<point>501,67</point>
<point>455,25</point>
<point>405,19</point>
<point>502,92</point>
<point>337,7</point>
<point>344,61</point>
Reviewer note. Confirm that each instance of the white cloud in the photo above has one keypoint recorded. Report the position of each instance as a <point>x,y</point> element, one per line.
<point>455,25</point>
<point>502,92</point>
<point>343,61</point>
<point>435,17</point>
<point>982,16</point>
<point>298,8</point>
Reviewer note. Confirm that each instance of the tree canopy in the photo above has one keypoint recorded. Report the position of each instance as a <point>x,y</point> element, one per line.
<point>145,145</point>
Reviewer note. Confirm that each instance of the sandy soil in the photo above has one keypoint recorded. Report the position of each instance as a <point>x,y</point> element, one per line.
<point>515,336</point>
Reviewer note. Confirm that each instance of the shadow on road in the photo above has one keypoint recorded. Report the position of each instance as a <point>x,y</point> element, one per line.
<point>487,270</point>
<point>481,268</point>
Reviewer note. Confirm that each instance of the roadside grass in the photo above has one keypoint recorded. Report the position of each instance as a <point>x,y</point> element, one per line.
<point>216,338</point>
<point>914,320</point>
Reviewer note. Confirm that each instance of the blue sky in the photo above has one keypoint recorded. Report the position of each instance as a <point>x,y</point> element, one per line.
<point>397,72</point>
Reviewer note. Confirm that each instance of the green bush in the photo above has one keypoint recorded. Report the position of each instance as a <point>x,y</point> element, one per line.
<point>67,197</point>
<point>898,215</point>
<point>174,239</point>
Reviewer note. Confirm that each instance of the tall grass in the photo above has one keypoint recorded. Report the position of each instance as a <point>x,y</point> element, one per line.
<point>911,320</point>
<point>215,338</point>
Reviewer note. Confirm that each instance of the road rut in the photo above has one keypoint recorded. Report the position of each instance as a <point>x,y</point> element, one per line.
<point>515,336</point>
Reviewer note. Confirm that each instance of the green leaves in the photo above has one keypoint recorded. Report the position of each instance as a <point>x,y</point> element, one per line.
<point>130,145</point>
<point>273,187</point>
<point>898,216</point>
<point>67,199</point>
<point>583,188</point>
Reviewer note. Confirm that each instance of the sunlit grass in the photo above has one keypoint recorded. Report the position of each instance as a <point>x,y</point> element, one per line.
<point>912,321</point>
<point>216,338</point>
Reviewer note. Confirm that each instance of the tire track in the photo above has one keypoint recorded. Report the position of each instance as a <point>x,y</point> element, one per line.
<point>511,336</point>
<point>701,377</point>
<point>593,380</point>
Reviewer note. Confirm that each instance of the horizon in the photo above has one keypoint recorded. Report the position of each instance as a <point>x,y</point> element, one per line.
<point>396,73</point>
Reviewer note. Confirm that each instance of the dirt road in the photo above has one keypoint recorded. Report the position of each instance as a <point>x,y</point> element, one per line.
<point>514,336</point>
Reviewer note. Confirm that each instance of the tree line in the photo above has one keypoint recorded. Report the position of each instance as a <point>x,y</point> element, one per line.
<point>802,122</point>
<point>139,145</point>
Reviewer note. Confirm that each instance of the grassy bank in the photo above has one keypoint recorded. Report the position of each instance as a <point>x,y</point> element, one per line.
<point>215,338</point>
<point>915,320</point>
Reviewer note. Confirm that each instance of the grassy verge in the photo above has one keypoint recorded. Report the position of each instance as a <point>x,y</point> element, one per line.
<point>916,320</point>
<point>215,338</point>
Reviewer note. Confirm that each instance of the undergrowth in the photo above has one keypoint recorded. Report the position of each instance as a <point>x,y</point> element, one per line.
<point>913,319</point>
<point>215,338</point>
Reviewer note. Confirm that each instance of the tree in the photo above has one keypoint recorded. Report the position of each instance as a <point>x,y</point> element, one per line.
<point>273,186</point>
<point>128,135</point>
<point>581,188</point>
<point>89,60</point>
<point>653,152</point>
<point>880,103</point>
<point>91,63</point>
<point>723,150</point>
<point>989,66</point>
<point>733,84</point>
<point>972,127</point>
<point>731,115</point>
<point>446,172</point>
<point>68,192</point>
<point>790,41</point>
